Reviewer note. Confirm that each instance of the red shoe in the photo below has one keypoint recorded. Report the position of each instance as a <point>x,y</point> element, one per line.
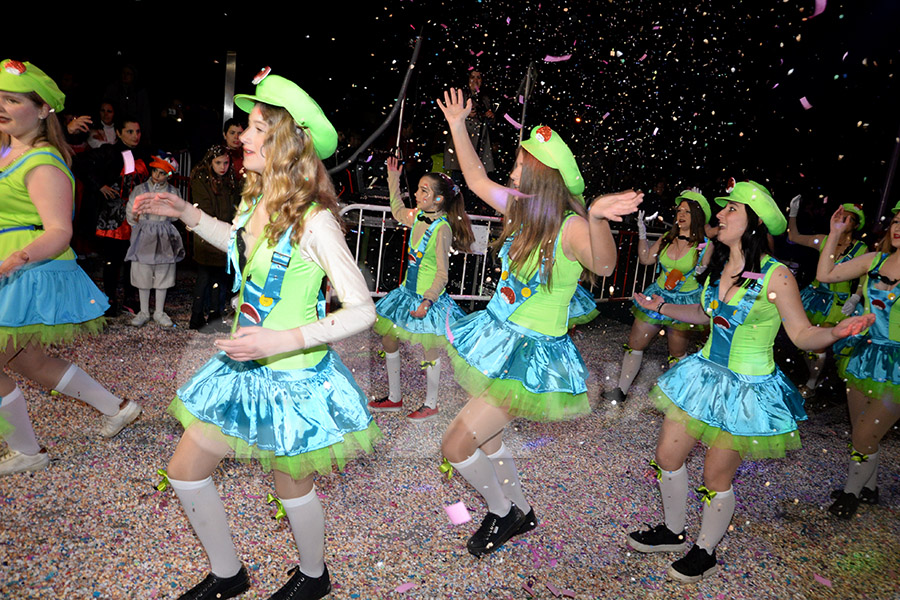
<point>385,405</point>
<point>423,413</point>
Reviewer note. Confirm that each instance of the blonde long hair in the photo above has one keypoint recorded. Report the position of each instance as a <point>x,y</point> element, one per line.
<point>50,132</point>
<point>293,179</point>
<point>535,216</point>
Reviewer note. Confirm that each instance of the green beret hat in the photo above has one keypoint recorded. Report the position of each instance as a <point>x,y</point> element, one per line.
<point>856,210</point>
<point>548,147</point>
<point>760,200</point>
<point>281,92</point>
<point>24,77</point>
<point>697,197</point>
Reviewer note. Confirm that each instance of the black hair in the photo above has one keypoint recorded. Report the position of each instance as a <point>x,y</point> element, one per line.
<point>754,243</point>
<point>231,123</point>
<point>122,119</point>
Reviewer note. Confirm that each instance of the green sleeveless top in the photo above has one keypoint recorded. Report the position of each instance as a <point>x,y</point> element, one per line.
<point>548,312</point>
<point>16,207</point>
<point>428,266</point>
<point>684,264</point>
<point>751,342</point>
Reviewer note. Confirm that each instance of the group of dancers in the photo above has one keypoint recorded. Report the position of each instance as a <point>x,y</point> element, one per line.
<point>276,393</point>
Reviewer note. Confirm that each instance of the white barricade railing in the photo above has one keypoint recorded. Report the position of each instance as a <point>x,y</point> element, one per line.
<point>471,274</point>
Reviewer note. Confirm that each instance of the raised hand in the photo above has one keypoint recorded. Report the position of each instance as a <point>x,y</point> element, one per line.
<point>393,165</point>
<point>615,206</point>
<point>839,220</point>
<point>453,107</point>
<point>794,208</point>
<point>642,226</point>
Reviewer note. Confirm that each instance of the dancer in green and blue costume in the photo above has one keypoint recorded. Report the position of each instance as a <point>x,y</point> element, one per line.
<point>45,297</point>
<point>681,255</point>
<point>731,396</point>
<point>419,310</point>
<point>514,358</point>
<point>869,362</point>
<point>827,304</point>
<point>276,392</point>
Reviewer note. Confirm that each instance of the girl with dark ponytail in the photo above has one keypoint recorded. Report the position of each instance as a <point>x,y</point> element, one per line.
<point>419,310</point>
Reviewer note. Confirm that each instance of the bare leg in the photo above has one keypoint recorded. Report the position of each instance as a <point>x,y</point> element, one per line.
<point>678,342</point>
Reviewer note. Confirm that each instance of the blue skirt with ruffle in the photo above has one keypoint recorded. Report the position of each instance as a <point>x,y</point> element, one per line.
<point>50,292</point>
<point>287,412</point>
<point>871,367</point>
<point>742,405</point>
<point>393,316</point>
<point>505,350</point>
<point>671,297</point>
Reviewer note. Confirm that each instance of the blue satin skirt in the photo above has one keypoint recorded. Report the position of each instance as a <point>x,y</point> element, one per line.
<point>395,307</point>
<point>284,412</point>
<point>650,316</point>
<point>51,292</point>
<point>741,405</point>
<point>870,366</point>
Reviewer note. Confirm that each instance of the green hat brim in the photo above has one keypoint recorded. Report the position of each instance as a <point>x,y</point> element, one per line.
<point>760,200</point>
<point>278,91</point>
<point>548,147</point>
<point>699,199</point>
<point>31,79</point>
<point>853,209</point>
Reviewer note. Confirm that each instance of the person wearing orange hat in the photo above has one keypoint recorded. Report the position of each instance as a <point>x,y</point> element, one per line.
<point>45,297</point>
<point>155,245</point>
<point>827,304</point>
<point>731,396</point>
<point>869,362</point>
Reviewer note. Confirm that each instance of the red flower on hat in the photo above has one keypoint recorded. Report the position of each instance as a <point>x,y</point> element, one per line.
<point>859,206</point>
<point>261,75</point>
<point>730,186</point>
<point>543,134</point>
<point>14,67</point>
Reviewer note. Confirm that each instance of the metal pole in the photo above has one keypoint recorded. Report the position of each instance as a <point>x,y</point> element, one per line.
<point>230,75</point>
<point>525,100</point>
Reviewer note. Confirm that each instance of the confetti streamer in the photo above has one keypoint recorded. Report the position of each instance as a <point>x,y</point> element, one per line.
<point>458,513</point>
<point>805,103</point>
<point>512,121</point>
<point>552,59</point>
<point>400,589</point>
<point>822,580</point>
<point>820,7</point>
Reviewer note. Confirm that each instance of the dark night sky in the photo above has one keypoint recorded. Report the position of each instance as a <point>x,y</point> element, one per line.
<point>693,92</point>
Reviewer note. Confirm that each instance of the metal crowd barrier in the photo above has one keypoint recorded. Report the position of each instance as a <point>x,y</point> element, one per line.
<point>378,243</point>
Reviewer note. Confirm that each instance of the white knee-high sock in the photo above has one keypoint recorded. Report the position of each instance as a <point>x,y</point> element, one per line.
<point>715,520</point>
<point>860,473</point>
<point>206,513</point>
<point>78,384</point>
<point>308,524</point>
<point>816,366</point>
<point>14,409</point>
<point>508,476</point>
<point>478,470</point>
<point>144,298</point>
<point>673,487</point>
<point>160,302</point>
<point>631,364</point>
<point>432,383</point>
<point>872,482</point>
<point>392,364</point>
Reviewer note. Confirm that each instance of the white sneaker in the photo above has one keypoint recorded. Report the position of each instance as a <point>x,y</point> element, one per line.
<point>13,461</point>
<point>140,319</point>
<point>163,319</point>
<point>113,425</point>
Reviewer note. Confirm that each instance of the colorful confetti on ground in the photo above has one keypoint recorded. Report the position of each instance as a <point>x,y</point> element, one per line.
<point>94,525</point>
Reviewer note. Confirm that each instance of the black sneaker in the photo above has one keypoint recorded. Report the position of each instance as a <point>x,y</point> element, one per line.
<point>657,539</point>
<point>845,506</point>
<point>614,395</point>
<point>866,496</point>
<point>528,524</point>
<point>216,588</point>
<point>495,531</point>
<point>304,587</point>
<point>695,566</point>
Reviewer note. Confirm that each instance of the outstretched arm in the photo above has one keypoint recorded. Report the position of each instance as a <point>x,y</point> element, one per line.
<point>826,270</point>
<point>591,242</point>
<point>455,111</point>
<point>403,215</point>
<point>216,232</point>
<point>784,294</point>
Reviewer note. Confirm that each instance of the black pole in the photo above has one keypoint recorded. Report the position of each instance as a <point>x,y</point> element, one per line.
<point>390,117</point>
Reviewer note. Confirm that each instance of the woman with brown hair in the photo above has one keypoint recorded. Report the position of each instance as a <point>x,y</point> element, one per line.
<point>276,392</point>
